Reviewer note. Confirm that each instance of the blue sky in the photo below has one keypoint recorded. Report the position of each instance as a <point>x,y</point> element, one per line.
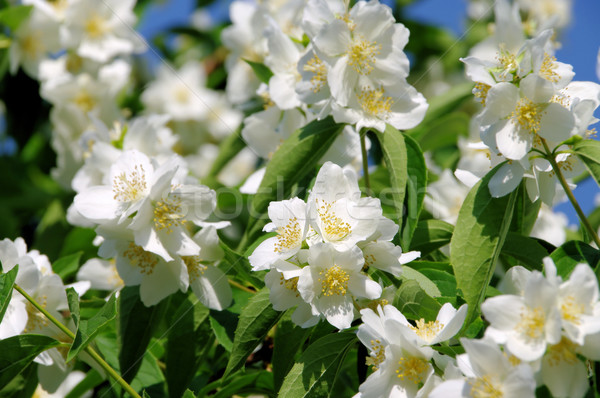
<point>581,41</point>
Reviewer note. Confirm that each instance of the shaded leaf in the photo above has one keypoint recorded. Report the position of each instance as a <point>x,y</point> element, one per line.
<point>314,374</point>
<point>479,235</point>
<point>431,235</point>
<point>416,186</point>
<point>527,251</point>
<point>571,253</point>
<point>68,265</point>
<point>414,302</point>
<point>256,382</point>
<point>288,339</point>
<point>256,319</point>
<point>19,351</point>
<point>7,281</point>
<point>589,152</point>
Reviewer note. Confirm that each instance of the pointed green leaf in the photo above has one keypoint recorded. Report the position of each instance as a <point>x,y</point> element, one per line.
<point>416,185</point>
<point>185,344</point>
<point>288,339</point>
<point>19,351</point>
<point>87,329</point>
<point>137,324</point>
<point>527,251</point>
<point>571,253</point>
<point>188,394</point>
<point>480,231</point>
<point>315,372</point>
<point>256,319</point>
<point>261,70</point>
<point>14,16</point>
<point>255,382</point>
<point>68,265</point>
<point>396,159</point>
<point>7,281</point>
<point>589,152</point>
<point>414,302</point>
<point>240,265</point>
<point>295,158</point>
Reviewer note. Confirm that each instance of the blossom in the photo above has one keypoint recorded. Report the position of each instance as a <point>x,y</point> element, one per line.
<point>332,279</point>
<point>488,372</point>
<point>284,294</point>
<point>101,31</point>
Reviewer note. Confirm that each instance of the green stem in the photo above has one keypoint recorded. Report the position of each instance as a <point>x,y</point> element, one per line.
<point>240,286</point>
<point>567,189</point>
<point>111,372</point>
<point>365,160</point>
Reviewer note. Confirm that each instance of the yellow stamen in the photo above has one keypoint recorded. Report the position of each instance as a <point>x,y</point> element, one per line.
<point>334,281</point>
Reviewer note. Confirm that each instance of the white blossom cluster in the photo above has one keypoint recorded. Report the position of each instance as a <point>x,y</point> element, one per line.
<point>36,277</point>
<point>325,59</point>
<point>319,258</point>
<point>530,107</point>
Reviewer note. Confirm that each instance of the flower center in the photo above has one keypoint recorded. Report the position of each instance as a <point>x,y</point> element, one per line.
<point>548,68</point>
<point>319,70</point>
<point>564,351</point>
<point>128,188</point>
<point>138,257</point>
<point>95,26</point>
<point>31,45</point>
<point>334,281</point>
<point>168,213</point>
<point>412,369</point>
<point>532,323</point>
<point>362,55</point>
<point>508,61</point>
<point>427,330</point>
<point>194,266</point>
<point>571,310</point>
<point>35,319</point>
<point>483,387</point>
<point>84,101</point>
<point>375,103</point>
<point>527,115</point>
<point>289,236</point>
<point>290,284</point>
<point>480,91</point>
<point>377,354</point>
<point>333,227</point>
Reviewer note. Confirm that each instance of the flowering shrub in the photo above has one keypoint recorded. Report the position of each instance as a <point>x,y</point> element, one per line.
<point>287,206</point>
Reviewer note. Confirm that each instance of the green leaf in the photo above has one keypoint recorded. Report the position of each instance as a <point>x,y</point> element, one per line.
<point>87,329</point>
<point>396,159</point>
<point>445,282</point>
<point>288,339</point>
<point>481,228</point>
<point>442,132</point>
<point>68,265</point>
<point>241,266</point>
<point>416,186</point>
<point>589,152</point>
<point>223,323</point>
<point>230,147</point>
<point>424,282</point>
<point>256,382</point>
<point>414,302</point>
<point>430,235</point>
<point>23,385</point>
<point>315,372</point>
<point>526,212</point>
<point>256,319</point>
<point>189,394</point>
<point>7,281</point>
<point>571,253</point>
<point>261,70</point>
<point>19,351</point>
<point>14,16</point>
<point>137,324</point>
<point>295,159</point>
<point>185,344</point>
<point>527,251</point>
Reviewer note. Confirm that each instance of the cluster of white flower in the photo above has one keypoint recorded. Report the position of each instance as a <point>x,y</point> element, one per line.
<point>530,106</point>
<point>319,257</point>
<point>143,210</point>
<point>37,279</point>
<point>352,67</point>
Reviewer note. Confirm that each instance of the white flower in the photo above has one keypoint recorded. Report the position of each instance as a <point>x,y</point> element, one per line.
<point>332,279</point>
<point>102,274</point>
<point>337,213</point>
<point>101,31</point>
<point>288,219</point>
<point>550,226</point>
<point>527,323</point>
<point>64,388</point>
<point>563,372</point>
<point>34,40</point>
<point>514,116</point>
<point>488,373</point>
<point>445,197</point>
<point>447,323</point>
<point>284,294</point>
